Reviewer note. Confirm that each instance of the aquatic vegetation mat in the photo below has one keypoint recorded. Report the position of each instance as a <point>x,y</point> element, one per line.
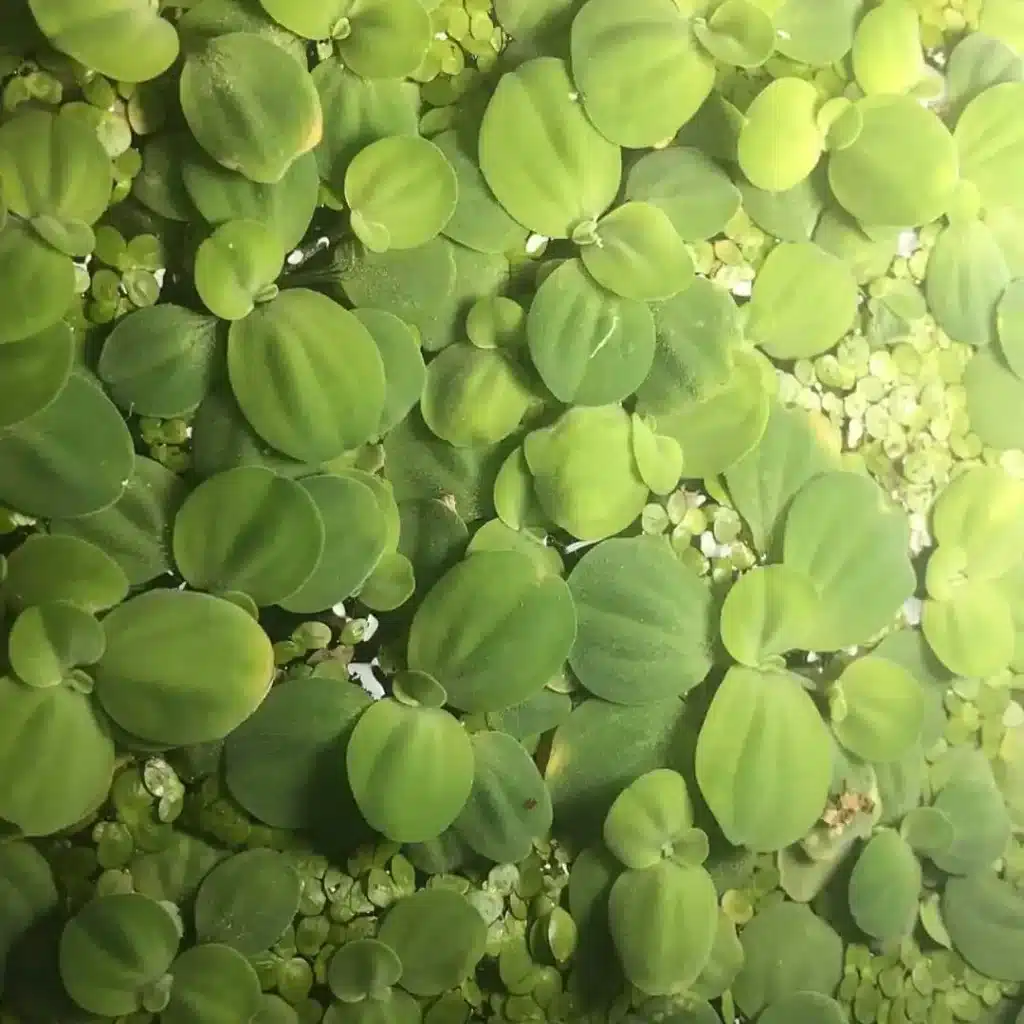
<point>511,510</point>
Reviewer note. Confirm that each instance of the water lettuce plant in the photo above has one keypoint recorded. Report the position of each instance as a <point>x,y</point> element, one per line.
<point>511,510</point>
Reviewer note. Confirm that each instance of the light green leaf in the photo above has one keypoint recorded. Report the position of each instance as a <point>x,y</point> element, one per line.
<point>786,106</point>
<point>236,267</point>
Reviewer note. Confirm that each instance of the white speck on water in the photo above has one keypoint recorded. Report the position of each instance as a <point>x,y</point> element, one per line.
<point>159,275</point>
<point>579,545</point>
<point>338,610</point>
<point>912,610</point>
<point>364,675</point>
<point>742,289</point>
<point>294,257</point>
<point>535,243</point>
<point>906,244</point>
<point>372,625</point>
<point>783,34</point>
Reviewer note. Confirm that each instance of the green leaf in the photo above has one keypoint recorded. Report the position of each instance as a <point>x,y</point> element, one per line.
<point>212,984</point>
<point>985,918</point>
<point>71,237</point>
<point>72,458</point>
<point>56,755</point>
<point>766,613</point>
<point>738,32</point>
<point>248,529</point>
<point>43,569</point>
<point>313,19</point>
<point>114,948</point>
<point>248,900</point>
<point>404,371</point>
<point>37,283</point>
<point>509,806</point>
<point>695,193</point>
<point>361,968</point>
<point>785,106</point>
<point>804,1008</point>
<point>161,680</point>
<point>584,780</point>
<point>123,39</point>
<point>791,216</point>
<point>53,165</point>
<point>644,911</point>
<point>403,185</point>
<point>965,280</point>
<point>433,538</point>
<point>286,764</point>
<point>722,968</point>
<point>647,817</point>
<point>161,361</point>
<point>990,144</point>
<point>640,71</point>
<point>638,254</point>
<point>358,111</point>
<point>49,639</point>
<point>388,38</point>
<point>589,346</point>
<point>764,759</point>
<point>697,334</point>
<point>1009,327</point>
<point>874,187</point>
<point>763,482</point>
<point>493,631</point>
<point>971,632</point>
<point>994,391</point>
<point>887,50</point>
<point>788,949</point>
<point>474,397</point>
<point>354,541</point>
<point>659,459</point>
<point>439,937</point>
<point>885,887</point>
<point>410,768</point>
<point>236,266</point>
<point>136,530</point>
<point>844,533</point>
<point>813,33</point>
<point>29,893</point>
<point>220,195</point>
<point>928,830</point>
<point>479,221</point>
<point>716,431</point>
<point>540,155</point>
<point>265,87</point>
<point>804,300</point>
<point>980,511</point>
<point>303,343</point>
<point>645,622</point>
<point>977,63</point>
<point>204,20</point>
<point>584,472</point>
<point>33,373</point>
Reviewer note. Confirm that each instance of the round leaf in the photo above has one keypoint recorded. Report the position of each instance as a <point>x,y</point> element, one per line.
<point>878,189</point>
<point>388,38</point>
<point>804,1008</point>
<point>163,679</point>
<point>493,631</point>
<point>738,32</point>
<point>439,937</point>
<point>509,806</point>
<point>362,968</point>
<point>972,632</point>
<point>113,949</point>
<point>248,529</point>
<point>764,759</point>
<point>70,459</point>
<point>57,757</point>
<point>49,639</point>
<point>804,300</point>
<point>990,143</point>
<point>411,770</point>
<point>765,613</point>
<point>303,343</point>
<point>126,40</point>
<point>985,918</point>
<point>248,900</point>
<point>540,155</point>
<point>786,106</point>
<point>212,984</point>
<point>645,910</point>
<point>647,817</point>
<point>813,33</point>
<point>265,87</point>
<point>161,361</point>
<point>235,266</point>
<point>844,534</point>
<point>887,51</point>
<point>404,370</point>
<point>589,346</point>
<point>645,622</point>
<point>402,191</point>
<point>33,373</point>
<point>885,887</point>
<point>286,764</point>
<point>638,254</point>
<point>640,71</point>
<point>53,165</point>
<point>993,393</point>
